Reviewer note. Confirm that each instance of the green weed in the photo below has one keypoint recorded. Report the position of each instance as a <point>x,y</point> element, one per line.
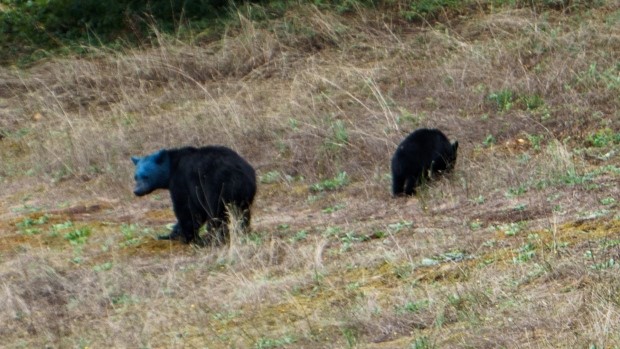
<point>516,191</point>
<point>525,253</point>
<point>533,102</point>
<point>334,208</point>
<point>535,141</point>
<point>475,225</point>
<point>603,138</point>
<point>103,267</point>
<point>512,229</point>
<point>350,335</point>
<point>503,100</point>
<point>429,9</point>
<point>28,226</point>
<point>338,182</point>
<point>300,235</point>
<point>269,177</point>
<point>339,137</point>
<point>349,239</point>
<point>78,236</point>
<point>489,140</point>
<point>29,222</point>
<point>398,226</point>
<point>267,343</point>
<point>130,235</point>
<point>422,343</point>
<point>412,307</point>
<point>609,201</point>
<point>478,200</point>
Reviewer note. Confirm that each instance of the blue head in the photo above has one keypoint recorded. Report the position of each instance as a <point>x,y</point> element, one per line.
<point>152,172</point>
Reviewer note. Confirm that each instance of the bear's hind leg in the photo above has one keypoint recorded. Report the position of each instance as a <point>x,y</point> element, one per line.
<point>217,232</point>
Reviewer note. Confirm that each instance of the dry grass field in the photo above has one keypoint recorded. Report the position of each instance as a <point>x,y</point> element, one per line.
<point>519,247</point>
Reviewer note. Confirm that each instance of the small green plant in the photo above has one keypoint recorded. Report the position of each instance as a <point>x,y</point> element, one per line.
<point>609,77</point>
<point>339,137</point>
<point>525,253</point>
<point>28,226</point>
<point>294,124</point>
<point>520,207</point>
<point>603,138</point>
<point>269,177</point>
<point>103,267</point>
<point>338,182</point>
<point>478,200</point>
<point>608,201</point>
<point>334,208</point>
<point>267,343</point>
<point>254,238</point>
<point>489,243</point>
<point>503,100</point>
<point>412,307</point>
<point>300,235</point>
<point>130,232</point>
<point>429,9</point>
<point>78,236</point>
<point>512,229</point>
<point>406,117</point>
<point>348,239</point>
<point>475,225</point>
<point>350,335</point>
<point>398,226</point>
<point>450,256</point>
<point>422,343</point>
<point>535,140</point>
<point>533,102</point>
<point>608,264</point>
<point>29,222</point>
<point>332,231</point>
<point>489,140</point>
<point>516,191</point>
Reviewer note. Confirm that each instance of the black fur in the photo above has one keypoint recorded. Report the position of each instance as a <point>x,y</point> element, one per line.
<point>202,183</point>
<point>422,151</point>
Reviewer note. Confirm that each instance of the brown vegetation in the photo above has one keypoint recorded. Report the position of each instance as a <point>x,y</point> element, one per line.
<point>517,248</point>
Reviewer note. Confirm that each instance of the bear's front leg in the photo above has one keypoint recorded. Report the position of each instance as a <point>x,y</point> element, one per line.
<point>188,230</point>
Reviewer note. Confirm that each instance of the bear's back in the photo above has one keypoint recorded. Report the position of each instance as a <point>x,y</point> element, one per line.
<point>424,144</point>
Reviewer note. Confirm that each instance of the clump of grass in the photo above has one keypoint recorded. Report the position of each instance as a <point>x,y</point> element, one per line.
<point>338,182</point>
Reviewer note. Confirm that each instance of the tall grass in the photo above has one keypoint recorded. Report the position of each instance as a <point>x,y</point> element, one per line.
<point>516,248</point>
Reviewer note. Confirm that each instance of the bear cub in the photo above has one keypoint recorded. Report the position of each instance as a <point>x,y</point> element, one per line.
<point>204,183</point>
<point>423,151</point>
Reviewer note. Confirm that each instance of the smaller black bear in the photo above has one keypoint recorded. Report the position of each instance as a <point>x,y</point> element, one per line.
<point>422,151</point>
<point>204,184</point>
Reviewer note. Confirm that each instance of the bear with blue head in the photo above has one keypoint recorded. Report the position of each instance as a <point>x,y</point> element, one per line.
<point>204,183</point>
<point>421,153</point>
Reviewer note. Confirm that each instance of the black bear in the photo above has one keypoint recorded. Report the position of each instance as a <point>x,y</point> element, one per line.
<point>422,151</point>
<point>204,184</point>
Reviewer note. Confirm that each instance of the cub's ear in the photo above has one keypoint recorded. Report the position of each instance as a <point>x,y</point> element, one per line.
<point>135,160</point>
<point>455,146</point>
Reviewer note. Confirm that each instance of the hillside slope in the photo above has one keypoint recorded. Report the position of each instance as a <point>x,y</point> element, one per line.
<point>517,248</point>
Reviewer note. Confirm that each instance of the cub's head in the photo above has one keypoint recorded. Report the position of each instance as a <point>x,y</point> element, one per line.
<point>452,156</point>
<point>152,172</point>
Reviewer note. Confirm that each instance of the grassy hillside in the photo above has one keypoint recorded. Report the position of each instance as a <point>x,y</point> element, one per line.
<point>518,248</point>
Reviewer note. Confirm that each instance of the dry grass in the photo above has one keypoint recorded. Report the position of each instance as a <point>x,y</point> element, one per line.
<point>517,248</point>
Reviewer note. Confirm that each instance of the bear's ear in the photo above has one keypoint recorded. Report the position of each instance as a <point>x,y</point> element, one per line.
<point>455,146</point>
<point>159,156</point>
<point>135,160</point>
